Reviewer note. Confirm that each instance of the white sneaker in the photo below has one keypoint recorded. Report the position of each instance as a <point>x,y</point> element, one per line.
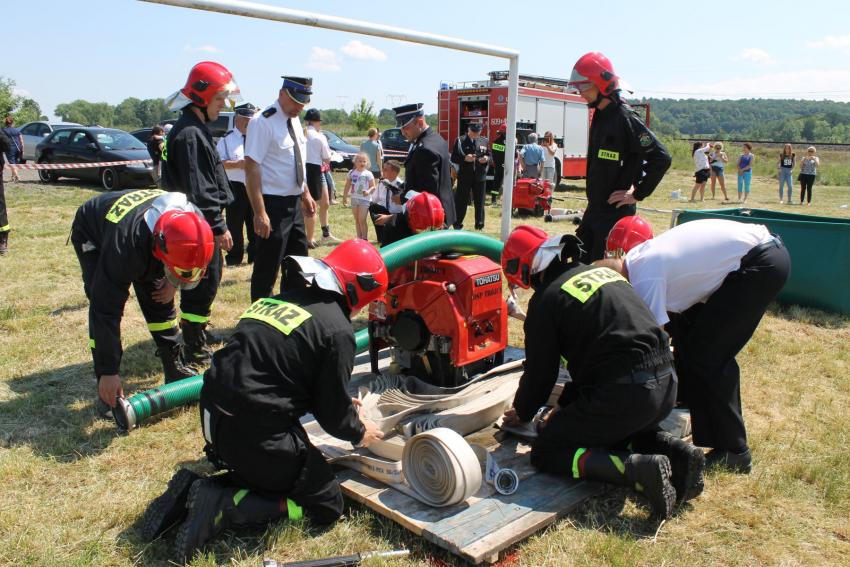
<point>329,239</point>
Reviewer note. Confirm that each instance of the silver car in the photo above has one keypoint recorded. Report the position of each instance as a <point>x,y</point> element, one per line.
<point>35,133</point>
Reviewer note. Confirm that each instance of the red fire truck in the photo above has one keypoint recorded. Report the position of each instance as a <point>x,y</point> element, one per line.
<point>544,104</point>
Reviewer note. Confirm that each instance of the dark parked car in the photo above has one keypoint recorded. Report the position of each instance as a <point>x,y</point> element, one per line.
<point>395,145</point>
<point>343,148</point>
<point>143,134</point>
<point>91,145</point>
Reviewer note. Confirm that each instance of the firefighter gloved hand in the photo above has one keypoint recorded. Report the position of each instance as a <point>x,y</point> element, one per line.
<point>511,419</point>
<point>372,433</point>
<point>109,388</point>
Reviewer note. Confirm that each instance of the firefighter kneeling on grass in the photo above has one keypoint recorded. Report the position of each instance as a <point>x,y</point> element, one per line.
<point>604,427</point>
<point>290,355</point>
<point>155,241</point>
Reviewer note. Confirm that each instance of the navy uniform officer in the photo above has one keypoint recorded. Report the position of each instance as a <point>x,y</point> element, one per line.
<point>231,148</point>
<point>472,155</point>
<point>625,161</point>
<point>620,362</point>
<point>156,242</point>
<point>428,164</point>
<point>275,154</point>
<point>194,167</point>
<point>290,355</point>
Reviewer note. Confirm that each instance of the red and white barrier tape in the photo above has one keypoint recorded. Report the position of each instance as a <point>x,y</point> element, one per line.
<point>395,153</point>
<point>16,166</point>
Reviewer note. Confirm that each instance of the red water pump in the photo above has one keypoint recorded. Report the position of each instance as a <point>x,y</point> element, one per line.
<point>444,318</point>
<point>532,196</point>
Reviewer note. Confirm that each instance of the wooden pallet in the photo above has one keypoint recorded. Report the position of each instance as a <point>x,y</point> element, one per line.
<point>486,523</point>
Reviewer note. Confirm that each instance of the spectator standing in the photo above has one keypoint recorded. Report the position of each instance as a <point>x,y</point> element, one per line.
<point>625,161</point>
<point>471,155</point>
<point>550,149</point>
<point>5,143</point>
<point>318,156</point>
<point>231,148</point>
<point>531,158</point>
<point>808,172</point>
<point>745,171</point>
<point>786,166</point>
<point>15,153</point>
<point>701,169</point>
<point>154,145</point>
<point>428,164</point>
<point>194,168</point>
<point>375,151</point>
<point>361,185</point>
<point>275,174</point>
<point>718,159</point>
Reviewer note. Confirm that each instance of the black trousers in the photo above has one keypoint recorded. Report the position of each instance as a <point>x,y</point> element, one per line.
<point>239,217</point>
<point>4,215</point>
<point>594,228</point>
<point>603,416</point>
<point>287,237</point>
<point>196,304</point>
<point>807,181</point>
<point>478,188</point>
<point>374,210</point>
<point>277,463</point>
<point>161,318</point>
<point>495,186</point>
<point>708,336</point>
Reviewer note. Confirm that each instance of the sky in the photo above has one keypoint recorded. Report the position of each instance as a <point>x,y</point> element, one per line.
<point>108,50</point>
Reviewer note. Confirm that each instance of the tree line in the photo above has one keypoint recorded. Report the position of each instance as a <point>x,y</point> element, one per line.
<point>777,120</point>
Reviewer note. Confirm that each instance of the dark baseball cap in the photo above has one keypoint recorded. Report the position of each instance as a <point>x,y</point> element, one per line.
<point>313,115</point>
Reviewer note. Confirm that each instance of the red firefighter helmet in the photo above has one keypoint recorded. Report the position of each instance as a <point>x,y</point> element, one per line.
<point>424,212</point>
<point>360,270</point>
<point>627,233</point>
<point>594,69</point>
<point>184,243</point>
<point>205,80</point>
<point>518,254</point>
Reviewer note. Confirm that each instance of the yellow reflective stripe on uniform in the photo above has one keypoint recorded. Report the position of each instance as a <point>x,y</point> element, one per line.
<point>192,318</point>
<point>499,147</point>
<point>5,228</point>
<point>91,343</point>
<point>283,316</point>
<point>163,326</point>
<point>129,202</point>
<point>164,156</point>
<point>608,154</point>
<point>585,284</point>
<point>294,511</point>
<point>240,494</point>
<point>618,463</point>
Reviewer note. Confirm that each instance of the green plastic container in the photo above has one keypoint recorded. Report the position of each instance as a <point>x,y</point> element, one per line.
<point>819,249</point>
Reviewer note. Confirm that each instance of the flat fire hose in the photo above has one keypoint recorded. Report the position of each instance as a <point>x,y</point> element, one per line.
<point>438,468</point>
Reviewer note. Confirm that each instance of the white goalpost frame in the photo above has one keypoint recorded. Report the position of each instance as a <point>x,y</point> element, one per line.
<point>288,15</point>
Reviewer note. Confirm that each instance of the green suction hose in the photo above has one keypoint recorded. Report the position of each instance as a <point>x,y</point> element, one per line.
<point>131,412</point>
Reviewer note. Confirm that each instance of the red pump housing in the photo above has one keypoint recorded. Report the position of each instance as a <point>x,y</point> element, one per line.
<point>444,317</point>
<point>534,195</point>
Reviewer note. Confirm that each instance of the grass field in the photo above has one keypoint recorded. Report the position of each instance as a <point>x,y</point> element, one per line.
<point>72,488</point>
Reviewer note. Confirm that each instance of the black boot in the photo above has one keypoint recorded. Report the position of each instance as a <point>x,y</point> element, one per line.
<point>196,349</point>
<point>647,474</point>
<point>169,508</point>
<point>213,508</point>
<point>172,365</point>
<point>4,243</point>
<point>686,461</point>
<point>740,462</point>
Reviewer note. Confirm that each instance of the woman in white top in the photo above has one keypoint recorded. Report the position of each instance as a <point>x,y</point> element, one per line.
<point>701,170</point>
<point>550,148</point>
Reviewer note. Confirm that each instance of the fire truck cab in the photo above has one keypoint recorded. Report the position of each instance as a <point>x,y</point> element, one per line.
<point>544,104</point>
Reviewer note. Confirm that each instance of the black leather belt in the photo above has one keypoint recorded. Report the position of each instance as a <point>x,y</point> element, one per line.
<point>774,241</point>
<point>641,377</point>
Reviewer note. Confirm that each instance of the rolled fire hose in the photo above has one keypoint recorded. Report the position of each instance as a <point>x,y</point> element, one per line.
<point>438,468</point>
<point>131,412</point>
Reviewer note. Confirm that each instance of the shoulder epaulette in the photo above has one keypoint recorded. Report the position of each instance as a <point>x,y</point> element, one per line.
<point>229,132</point>
<point>269,112</point>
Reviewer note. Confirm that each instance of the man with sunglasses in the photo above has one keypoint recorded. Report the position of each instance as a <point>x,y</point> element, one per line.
<point>625,161</point>
<point>193,167</point>
<point>155,241</point>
